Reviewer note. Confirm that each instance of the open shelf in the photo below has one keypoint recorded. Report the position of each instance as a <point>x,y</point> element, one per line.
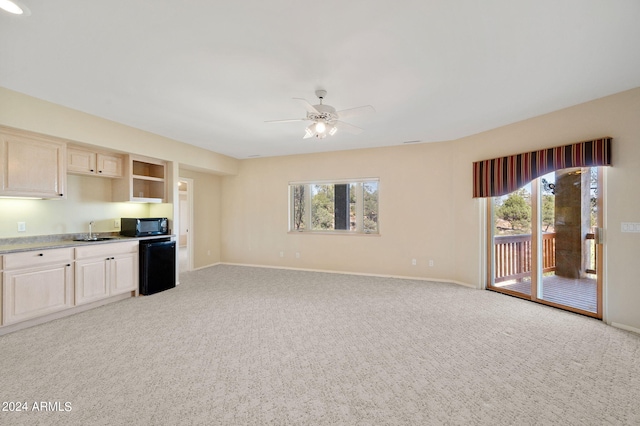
<point>145,169</point>
<point>146,188</point>
<point>144,181</point>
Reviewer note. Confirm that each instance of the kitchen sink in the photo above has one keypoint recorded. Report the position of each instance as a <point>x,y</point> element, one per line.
<point>95,239</point>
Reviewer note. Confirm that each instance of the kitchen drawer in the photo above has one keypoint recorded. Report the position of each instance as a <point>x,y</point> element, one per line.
<point>35,258</point>
<point>108,249</point>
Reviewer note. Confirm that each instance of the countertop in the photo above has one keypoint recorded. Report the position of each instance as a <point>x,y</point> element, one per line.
<point>44,242</point>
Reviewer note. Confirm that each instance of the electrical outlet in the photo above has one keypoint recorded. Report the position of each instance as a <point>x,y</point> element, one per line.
<point>22,226</point>
<point>116,223</point>
<point>430,262</point>
<point>297,255</point>
<point>414,262</point>
<point>281,254</point>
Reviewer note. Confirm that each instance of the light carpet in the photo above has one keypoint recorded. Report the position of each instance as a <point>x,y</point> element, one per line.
<point>253,346</point>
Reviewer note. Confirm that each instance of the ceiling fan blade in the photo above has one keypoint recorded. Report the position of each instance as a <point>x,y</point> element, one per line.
<point>352,112</point>
<point>307,105</point>
<point>341,125</point>
<point>289,120</point>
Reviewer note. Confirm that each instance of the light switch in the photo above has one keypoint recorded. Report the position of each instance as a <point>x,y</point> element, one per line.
<point>22,226</point>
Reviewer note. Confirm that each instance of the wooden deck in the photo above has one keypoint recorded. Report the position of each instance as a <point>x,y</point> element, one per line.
<point>576,293</point>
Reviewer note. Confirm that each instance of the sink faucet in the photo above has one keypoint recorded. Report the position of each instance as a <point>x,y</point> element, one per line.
<point>90,226</point>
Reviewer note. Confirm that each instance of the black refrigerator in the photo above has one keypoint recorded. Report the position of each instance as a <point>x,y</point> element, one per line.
<point>157,265</point>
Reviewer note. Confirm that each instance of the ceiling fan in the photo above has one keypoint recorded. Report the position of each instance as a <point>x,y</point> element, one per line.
<point>325,120</point>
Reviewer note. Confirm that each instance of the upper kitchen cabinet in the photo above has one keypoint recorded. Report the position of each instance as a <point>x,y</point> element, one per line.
<point>144,181</point>
<point>86,162</point>
<point>31,165</point>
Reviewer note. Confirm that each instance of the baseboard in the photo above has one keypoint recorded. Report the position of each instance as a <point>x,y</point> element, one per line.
<point>206,266</point>
<point>61,314</point>
<point>330,271</point>
<point>626,327</point>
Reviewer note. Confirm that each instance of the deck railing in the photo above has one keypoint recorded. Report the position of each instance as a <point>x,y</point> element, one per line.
<point>512,256</point>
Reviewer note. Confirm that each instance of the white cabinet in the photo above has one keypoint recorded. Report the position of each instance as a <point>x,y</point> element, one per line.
<point>105,270</point>
<point>124,273</point>
<point>83,161</point>
<point>109,165</point>
<point>36,283</point>
<point>1,304</point>
<point>144,181</point>
<point>91,280</point>
<point>31,165</point>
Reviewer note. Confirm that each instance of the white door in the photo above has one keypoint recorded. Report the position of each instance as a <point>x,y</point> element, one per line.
<point>185,231</point>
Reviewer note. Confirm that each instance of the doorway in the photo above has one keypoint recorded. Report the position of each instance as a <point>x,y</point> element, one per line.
<point>545,241</point>
<point>185,231</point>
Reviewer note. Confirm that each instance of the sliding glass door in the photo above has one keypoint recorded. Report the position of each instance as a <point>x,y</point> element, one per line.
<point>511,246</point>
<point>544,241</point>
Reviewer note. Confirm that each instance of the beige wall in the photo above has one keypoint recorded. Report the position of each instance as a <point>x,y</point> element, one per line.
<point>426,208</point>
<point>426,205</point>
<point>88,199</point>
<point>25,112</point>
<point>206,217</point>
<point>415,212</point>
<point>617,116</point>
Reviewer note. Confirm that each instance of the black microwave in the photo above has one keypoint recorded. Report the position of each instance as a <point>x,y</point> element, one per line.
<point>144,227</point>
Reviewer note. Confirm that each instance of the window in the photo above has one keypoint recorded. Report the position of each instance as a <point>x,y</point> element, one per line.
<point>349,206</point>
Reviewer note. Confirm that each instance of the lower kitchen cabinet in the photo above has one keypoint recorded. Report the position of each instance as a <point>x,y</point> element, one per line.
<point>91,280</point>
<point>124,273</point>
<point>40,285</point>
<point>36,283</point>
<point>105,270</point>
<point>1,303</point>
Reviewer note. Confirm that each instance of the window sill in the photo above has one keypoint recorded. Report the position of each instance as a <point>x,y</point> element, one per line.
<point>343,233</point>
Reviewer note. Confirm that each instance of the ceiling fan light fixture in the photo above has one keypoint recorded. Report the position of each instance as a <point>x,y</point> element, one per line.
<point>308,132</point>
<point>11,7</point>
<point>325,120</point>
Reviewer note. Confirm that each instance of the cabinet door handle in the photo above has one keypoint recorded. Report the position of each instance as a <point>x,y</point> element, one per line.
<point>91,170</point>
<point>40,254</point>
<point>99,171</point>
<point>68,264</point>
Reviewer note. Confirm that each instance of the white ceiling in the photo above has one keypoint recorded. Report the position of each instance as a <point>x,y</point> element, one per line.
<point>210,73</point>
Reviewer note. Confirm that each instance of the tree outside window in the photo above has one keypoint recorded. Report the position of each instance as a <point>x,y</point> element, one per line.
<point>350,206</point>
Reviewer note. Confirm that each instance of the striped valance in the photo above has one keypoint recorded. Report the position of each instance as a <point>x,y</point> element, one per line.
<point>500,176</point>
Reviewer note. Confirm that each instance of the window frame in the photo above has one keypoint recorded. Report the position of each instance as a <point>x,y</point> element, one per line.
<point>309,214</point>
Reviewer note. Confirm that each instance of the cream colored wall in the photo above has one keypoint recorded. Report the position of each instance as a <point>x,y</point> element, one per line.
<point>426,205</point>
<point>617,116</point>
<point>88,199</point>
<point>28,113</point>
<point>415,215</point>
<point>25,112</point>
<point>206,217</point>
<point>426,208</point>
